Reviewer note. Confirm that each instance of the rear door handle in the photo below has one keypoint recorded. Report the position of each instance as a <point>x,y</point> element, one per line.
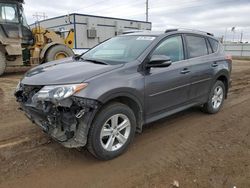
<point>214,65</point>
<point>185,71</point>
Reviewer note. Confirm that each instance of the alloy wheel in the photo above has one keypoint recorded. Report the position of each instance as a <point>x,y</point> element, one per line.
<point>115,132</point>
<point>217,98</point>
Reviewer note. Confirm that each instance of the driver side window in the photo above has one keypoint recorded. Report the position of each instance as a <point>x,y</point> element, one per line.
<point>9,13</point>
<point>171,47</point>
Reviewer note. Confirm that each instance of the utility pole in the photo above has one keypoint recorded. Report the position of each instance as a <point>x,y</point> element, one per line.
<point>39,16</point>
<point>146,10</point>
<point>241,36</point>
<point>225,37</point>
<point>233,30</point>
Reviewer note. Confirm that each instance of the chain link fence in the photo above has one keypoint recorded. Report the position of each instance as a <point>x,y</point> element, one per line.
<point>238,49</point>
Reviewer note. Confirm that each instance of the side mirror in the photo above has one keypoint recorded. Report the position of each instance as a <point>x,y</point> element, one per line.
<point>159,61</point>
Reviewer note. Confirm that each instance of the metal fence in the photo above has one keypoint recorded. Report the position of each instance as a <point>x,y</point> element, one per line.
<point>240,50</point>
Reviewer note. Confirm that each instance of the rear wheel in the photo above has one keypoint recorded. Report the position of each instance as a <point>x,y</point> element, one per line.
<point>2,63</point>
<point>112,131</point>
<point>58,52</point>
<point>216,98</point>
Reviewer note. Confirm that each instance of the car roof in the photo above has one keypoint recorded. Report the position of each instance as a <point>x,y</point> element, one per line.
<point>169,31</point>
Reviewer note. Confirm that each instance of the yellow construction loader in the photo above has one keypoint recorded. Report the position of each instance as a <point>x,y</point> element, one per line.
<point>21,47</point>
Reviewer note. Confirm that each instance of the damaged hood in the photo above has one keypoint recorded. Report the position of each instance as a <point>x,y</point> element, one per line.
<point>66,71</point>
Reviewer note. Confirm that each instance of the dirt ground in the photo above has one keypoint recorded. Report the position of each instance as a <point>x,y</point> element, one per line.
<point>195,149</point>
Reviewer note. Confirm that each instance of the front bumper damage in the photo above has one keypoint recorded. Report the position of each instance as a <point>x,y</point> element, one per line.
<point>66,121</point>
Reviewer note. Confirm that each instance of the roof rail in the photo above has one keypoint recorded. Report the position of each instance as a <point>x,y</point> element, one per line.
<point>185,29</point>
<point>199,31</point>
<point>170,30</point>
<point>211,34</point>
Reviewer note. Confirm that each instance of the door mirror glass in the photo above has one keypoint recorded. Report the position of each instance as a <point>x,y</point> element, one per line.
<point>159,61</point>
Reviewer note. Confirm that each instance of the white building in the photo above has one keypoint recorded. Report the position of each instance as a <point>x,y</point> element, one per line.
<point>91,30</point>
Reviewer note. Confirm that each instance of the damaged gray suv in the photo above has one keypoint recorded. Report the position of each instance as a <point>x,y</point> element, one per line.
<point>100,99</point>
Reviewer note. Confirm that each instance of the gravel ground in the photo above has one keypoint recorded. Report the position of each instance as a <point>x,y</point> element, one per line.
<point>191,149</point>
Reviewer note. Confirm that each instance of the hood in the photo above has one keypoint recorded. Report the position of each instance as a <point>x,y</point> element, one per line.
<point>66,71</point>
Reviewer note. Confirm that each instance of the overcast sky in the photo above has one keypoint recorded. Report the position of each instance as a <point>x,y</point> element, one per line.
<point>214,16</point>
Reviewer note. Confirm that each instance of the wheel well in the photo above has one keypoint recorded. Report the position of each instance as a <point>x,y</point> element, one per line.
<point>225,81</point>
<point>133,105</point>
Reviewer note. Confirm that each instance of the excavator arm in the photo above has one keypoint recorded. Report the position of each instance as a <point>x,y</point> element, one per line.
<point>69,40</point>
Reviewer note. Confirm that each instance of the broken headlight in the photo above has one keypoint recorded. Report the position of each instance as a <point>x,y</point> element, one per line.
<point>58,92</point>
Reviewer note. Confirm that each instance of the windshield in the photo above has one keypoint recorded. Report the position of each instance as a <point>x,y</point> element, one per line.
<point>8,13</point>
<point>120,49</point>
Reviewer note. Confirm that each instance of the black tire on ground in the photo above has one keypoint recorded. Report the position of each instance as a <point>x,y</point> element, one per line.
<point>57,49</point>
<point>2,63</point>
<point>208,107</point>
<point>95,145</point>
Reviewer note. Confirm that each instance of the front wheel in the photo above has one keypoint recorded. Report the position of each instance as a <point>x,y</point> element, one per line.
<point>112,131</point>
<point>216,98</point>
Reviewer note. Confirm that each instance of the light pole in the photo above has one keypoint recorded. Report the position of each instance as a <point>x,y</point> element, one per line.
<point>146,10</point>
<point>225,35</point>
<point>241,36</point>
<point>233,30</point>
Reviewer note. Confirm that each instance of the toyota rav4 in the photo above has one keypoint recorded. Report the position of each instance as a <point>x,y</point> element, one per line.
<point>100,99</point>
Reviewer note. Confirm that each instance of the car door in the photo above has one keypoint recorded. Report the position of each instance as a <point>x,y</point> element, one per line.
<point>167,88</point>
<point>201,70</point>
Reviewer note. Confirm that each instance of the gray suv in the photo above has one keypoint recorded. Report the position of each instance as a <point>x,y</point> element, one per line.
<point>101,98</point>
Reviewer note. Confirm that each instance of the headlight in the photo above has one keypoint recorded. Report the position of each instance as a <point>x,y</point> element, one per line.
<point>58,92</point>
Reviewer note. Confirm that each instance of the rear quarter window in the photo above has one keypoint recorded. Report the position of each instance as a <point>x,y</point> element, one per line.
<point>214,44</point>
<point>210,51</point>
<point>196,46</point>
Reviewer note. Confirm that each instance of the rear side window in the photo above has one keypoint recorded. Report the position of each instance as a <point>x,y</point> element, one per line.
<point>196,46</point>
<point>171,47</point>
<point>214,44</point>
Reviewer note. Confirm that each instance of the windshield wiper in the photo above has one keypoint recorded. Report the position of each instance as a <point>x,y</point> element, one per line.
<point>97,61</point>
<point>77,57</point>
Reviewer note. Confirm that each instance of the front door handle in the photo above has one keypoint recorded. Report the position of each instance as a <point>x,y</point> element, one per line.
<point>185,71</point>
<point>214,65</point>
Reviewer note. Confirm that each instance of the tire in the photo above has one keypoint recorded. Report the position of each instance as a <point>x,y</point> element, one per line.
<point>98,139</point>
<point>211,107</point>
<point>2,63</point>
<point>55,51</point>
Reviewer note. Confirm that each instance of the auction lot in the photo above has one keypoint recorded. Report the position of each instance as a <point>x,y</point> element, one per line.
<point>193,148</point>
